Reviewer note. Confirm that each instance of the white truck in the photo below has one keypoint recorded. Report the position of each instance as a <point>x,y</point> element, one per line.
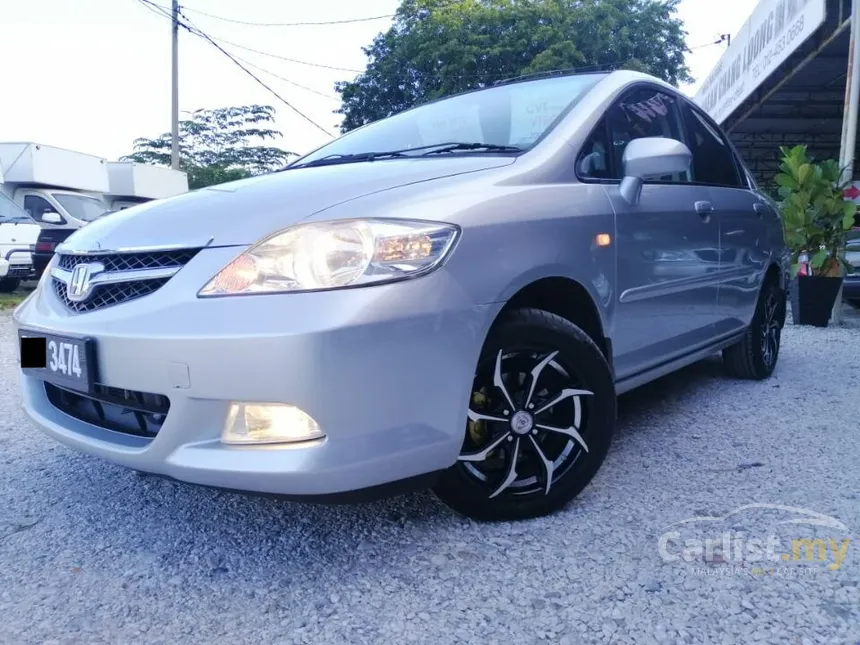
<point>18,233</point>
<point>134,183</point>
<point>58,188</point>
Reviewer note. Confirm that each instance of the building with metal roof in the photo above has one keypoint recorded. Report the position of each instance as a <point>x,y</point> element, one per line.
<point>784,80</point>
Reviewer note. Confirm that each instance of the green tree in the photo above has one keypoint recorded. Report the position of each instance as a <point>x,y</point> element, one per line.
<point>220,145</point>
<point>440,47</point>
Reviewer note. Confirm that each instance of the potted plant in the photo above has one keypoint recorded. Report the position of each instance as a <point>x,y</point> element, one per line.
<point>816,218</point>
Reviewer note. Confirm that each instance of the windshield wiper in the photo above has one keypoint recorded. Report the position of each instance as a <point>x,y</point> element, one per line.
<point>489,147</point>
<point>433,148</point>
<point>330,160</point>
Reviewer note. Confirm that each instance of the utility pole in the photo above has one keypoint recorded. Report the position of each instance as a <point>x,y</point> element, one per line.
<point>174,112</point>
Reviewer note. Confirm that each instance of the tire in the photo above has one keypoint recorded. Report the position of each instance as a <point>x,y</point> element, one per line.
<point>752,358</point>
<point>8,285</point>
<point>552,467</point>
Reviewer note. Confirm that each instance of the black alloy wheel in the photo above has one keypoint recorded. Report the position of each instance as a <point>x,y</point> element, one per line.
<point>539,424</point>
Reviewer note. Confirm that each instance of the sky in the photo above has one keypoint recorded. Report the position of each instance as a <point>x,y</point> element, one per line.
<point>94,75</point>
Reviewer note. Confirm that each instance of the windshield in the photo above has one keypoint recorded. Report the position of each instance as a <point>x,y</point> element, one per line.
<point>517,114</point>
<point>11,213</point>
<point>81,207</point>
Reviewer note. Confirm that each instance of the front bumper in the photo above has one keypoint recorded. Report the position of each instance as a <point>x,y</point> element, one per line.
<point>386,371</point>
<point>20,264</point>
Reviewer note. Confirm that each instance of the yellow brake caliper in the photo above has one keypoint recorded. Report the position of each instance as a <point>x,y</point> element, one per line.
<point>478,429</point>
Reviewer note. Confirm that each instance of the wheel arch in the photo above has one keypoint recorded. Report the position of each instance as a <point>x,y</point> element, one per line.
<point>774,271</point>
<point>567,298</point>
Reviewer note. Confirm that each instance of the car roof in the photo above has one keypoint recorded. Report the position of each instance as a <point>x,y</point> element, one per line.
<point>614,77</point>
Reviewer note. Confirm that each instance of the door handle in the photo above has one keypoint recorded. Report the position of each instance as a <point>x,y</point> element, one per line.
<point>704,209</point>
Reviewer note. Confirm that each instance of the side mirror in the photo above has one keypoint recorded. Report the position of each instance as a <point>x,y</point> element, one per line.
<point>651,157</point>
<point>52,217</point>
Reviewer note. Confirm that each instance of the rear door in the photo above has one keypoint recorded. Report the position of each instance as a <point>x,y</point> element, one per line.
<point>667,244</point>
<point>743,218</point>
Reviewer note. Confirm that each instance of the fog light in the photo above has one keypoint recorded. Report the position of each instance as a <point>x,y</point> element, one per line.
<point>249,423</point>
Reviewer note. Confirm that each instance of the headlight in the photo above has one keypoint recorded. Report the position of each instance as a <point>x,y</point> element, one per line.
<point>337,254</point>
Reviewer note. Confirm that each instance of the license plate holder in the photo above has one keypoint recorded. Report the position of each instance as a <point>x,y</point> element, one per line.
<point>69,362</point>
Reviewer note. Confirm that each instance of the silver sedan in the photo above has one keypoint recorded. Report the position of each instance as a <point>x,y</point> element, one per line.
<point>451,297</point>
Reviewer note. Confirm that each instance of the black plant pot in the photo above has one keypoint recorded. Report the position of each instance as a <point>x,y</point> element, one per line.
<point>816,296</point>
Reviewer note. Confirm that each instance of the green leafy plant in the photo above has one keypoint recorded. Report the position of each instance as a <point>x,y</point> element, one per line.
<point>816,217</point>
<point>219,145</point>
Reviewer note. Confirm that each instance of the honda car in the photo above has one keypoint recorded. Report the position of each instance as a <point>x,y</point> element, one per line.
<point>448,298</point>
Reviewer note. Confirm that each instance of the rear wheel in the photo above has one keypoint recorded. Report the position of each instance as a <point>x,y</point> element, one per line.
<point>8,285</point>
<point>755,356</point>
<point>540,421</point>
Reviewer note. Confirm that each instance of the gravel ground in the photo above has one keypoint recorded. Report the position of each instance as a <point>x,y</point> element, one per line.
<point>91,553</point>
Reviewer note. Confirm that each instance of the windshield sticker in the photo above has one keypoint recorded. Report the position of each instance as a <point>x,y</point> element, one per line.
<point>648,110</point>
<point>444,128</point>
<point>532,115</point>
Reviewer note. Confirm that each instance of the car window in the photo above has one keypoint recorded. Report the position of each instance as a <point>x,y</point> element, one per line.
<point>594,161</point>
<point>82,207</point>
<point>713,160</point>
<point>11,213</point>
<point>37,206</point>
<point>644,112</point>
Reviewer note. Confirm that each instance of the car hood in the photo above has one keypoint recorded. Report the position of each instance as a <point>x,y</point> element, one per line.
<point>242,212</point>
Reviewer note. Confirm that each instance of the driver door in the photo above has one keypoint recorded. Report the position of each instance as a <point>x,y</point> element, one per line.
<point>667,244</point>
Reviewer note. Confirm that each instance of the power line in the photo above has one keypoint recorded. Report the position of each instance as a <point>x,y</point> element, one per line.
<point>193,29</point>
<point>345,21</point>
<point>290,60</point>
<point>724,38</point>
<point>289,24</point>
<point>503,76</point>
<point>286,80</point>
<point>258,80</point>
<point>163,11</point>
<point>153,6</point>
<point>157,9</point>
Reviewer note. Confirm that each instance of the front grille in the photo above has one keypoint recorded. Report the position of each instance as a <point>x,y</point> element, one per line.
<point>132,261</point>
<point>114,293</point>
<point>135,413</point>
<point>106,295</point>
